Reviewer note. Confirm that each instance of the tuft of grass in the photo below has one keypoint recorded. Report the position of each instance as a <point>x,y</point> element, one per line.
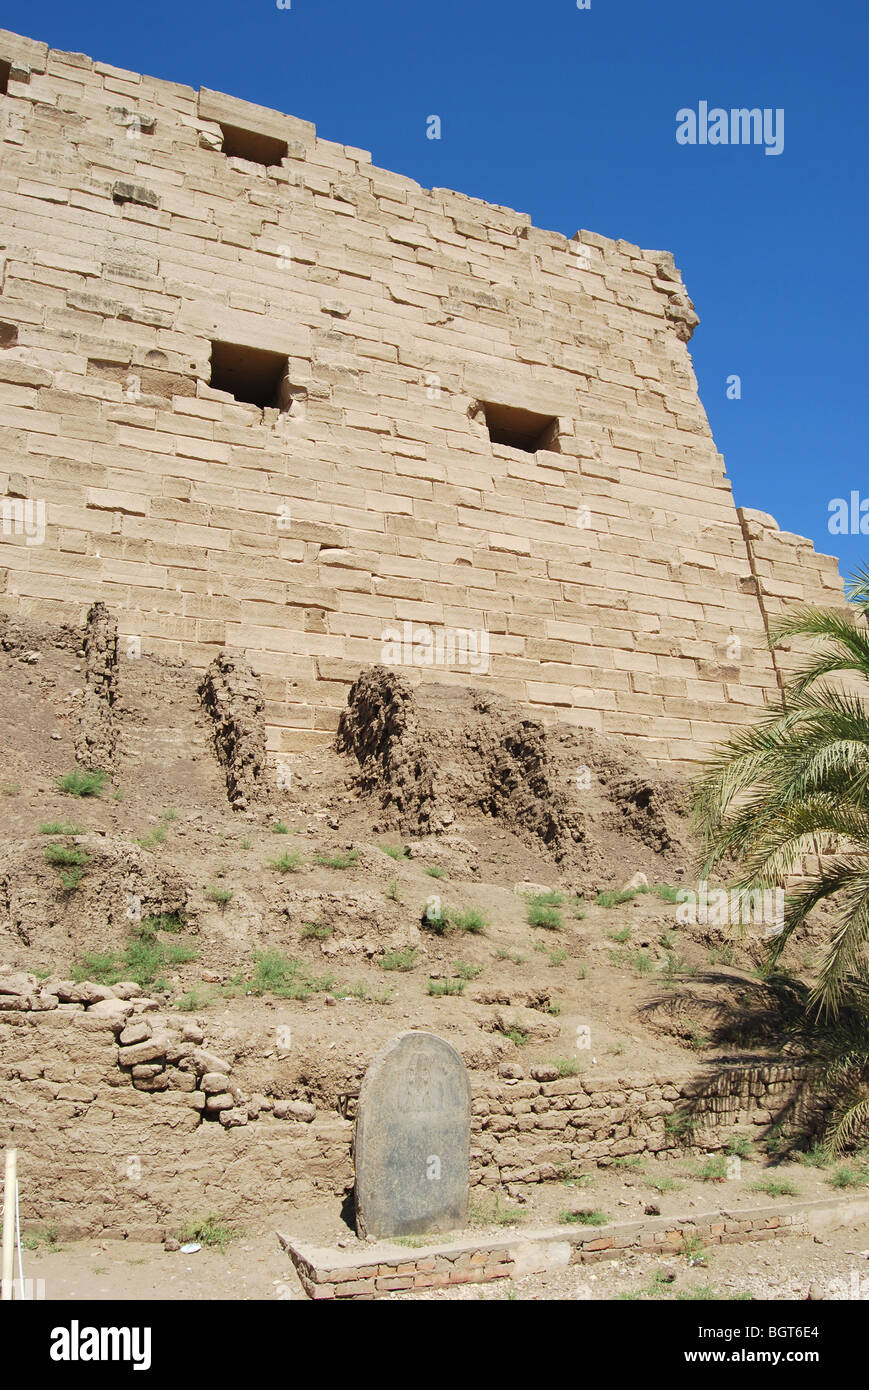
<point>277,827</point>
<point>437,988</point>
<point>288,863</point>
<point>615,897</point>
<point>621,936</point>
<point>664,1184</point>
<point>467,972</point>
<point>666,893</point>
<point>471,920</point>
<point>816,1156</point>
<point>199,997</point>
<point>739,1146</point>
<point>336,861</point>
<point>544,915</point>
<point>496,1215</point>
<point>163,921</point>
<point>60,827</point>
<point>713,1170</point>
<point>394,851</point>
<point>65,854</point>
<point>316,931</point>
<point>218,895</point>
<point>849,1175</point>
<point>586,1216</point>
<point>567,1066</point>
<point>517,1035</point>
<point>680,1124</point>
<point>693,1249</point>
<point>285,977</point>
<point>79,783</point>
<point>501,954</point>
<point>392,890</point>
<point>435,871</point>
<point>405,959</point>
<point>775,1187</point>
<point>214,1231</point>
<point>11,788</point>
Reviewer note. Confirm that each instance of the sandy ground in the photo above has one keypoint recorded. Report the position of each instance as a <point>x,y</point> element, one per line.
<point>834,1266</point>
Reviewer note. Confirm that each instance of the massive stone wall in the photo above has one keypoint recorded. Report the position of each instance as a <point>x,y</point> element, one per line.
<point>606,573</point>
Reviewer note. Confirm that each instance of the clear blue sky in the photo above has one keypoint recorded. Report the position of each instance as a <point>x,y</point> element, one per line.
<point>570,115</point>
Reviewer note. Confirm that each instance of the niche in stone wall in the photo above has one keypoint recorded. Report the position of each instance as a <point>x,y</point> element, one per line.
<point>250,145</point>
<point>5,70</point>
<point>519,428</point>
<point>253,375</point>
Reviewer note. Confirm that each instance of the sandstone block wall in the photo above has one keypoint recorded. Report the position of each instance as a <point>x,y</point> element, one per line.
<point>608,569</point>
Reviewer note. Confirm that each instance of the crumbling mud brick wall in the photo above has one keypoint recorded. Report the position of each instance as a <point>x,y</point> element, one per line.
<point>257,393</point>
<point>128,1123</point>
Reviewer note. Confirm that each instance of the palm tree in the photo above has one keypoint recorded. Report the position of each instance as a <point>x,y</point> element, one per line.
<point>797,782</point>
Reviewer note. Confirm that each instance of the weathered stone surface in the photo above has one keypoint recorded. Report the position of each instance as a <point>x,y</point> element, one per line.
<point>412,1139</point>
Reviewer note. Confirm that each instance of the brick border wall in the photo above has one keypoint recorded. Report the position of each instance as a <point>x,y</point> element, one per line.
<point>385,1268</point>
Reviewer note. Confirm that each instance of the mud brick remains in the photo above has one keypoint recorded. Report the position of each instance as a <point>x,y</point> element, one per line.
<point>278,400</point>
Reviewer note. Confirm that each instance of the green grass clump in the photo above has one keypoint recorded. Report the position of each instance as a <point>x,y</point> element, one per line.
<point>60,827</point>
<point>443,919</point>
<point>739,1146</point>
<point>404,959</point>
<point>79,783</point>
<point>284,977</point>
<point>437,988</point>
<point>143,960</point>
<point>517,1035</point>
<point>586,1216</point>
<point>467,972</point>
<point>316,931</point>
<point>615,897</point>
<point>567,1066</point>
<point>163,921</point>
<point>666,893</point>
<point>776,1187</point>
<point>713,1170</point>
<point>435,871</point>
<point>541,915</point>
<point>199,997</point>
<point>621,936</point>
<point>849,1175</point>
<point>65,854</point>
<point>394,851</point>
<point>287,863</point>
<point>496,1215</point>
<point>214,1231</point>
<point>664,1185</point>
<point>392,890</point>
<point>816,1156</point>
<point>219,895</point>
<point>277,827</point>
<point>336,861</point>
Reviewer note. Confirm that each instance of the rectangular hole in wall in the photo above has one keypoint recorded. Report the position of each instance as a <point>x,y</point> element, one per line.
<point>521,429</point>
<point>5,70</point>
<point>247,144</point>
<point>250,374</point>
